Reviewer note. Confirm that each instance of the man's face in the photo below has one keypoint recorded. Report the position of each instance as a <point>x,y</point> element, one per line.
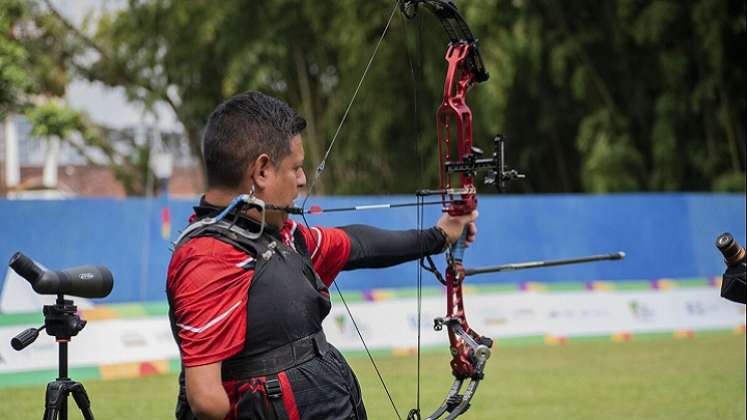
<point>287,176</point>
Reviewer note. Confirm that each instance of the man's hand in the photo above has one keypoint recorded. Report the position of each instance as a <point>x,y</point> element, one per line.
<point>453,226</point>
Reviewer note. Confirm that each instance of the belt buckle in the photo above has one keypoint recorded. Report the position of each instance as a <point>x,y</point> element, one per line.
<point>272,388</point>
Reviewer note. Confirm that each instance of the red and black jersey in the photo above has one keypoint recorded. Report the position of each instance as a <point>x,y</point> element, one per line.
<point>210,285</point>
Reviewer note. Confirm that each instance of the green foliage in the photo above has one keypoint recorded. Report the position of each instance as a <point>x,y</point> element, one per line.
<point>612,163</point>
<point>620,95</point>
<point>130,166</point>
<point>53,119</point>
<point>39,53</point>
<point>35,55</point>
<point>593,96</point>
<point>13,57</point>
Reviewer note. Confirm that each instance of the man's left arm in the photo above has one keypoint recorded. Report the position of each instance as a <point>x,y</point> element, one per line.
<point>372,247</point>
<point>375,248</point>
<point>360,246</point>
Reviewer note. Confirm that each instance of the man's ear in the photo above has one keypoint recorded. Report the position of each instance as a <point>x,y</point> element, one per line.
<point>260,171</point>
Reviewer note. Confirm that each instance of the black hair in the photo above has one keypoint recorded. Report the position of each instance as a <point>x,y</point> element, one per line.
<point>242,128</point>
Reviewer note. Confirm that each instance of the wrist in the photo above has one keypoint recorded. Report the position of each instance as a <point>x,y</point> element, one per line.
<point>444,237</point>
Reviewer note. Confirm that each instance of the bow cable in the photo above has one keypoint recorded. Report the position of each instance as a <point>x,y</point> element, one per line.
<point>323,163</point>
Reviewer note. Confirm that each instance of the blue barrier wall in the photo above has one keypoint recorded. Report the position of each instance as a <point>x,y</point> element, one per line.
<point>663,235</point>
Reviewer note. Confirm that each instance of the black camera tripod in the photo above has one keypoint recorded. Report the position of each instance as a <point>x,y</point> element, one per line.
<point>62,322</point>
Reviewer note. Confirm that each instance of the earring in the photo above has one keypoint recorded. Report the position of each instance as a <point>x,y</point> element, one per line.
<point>251,191</point>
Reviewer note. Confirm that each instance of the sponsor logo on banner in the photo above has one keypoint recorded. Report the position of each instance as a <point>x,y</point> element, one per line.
<point>641,311</point>
<point>133,339</point>
<point>346,328</point>
<point>702,308</point>
<point>578,314</point>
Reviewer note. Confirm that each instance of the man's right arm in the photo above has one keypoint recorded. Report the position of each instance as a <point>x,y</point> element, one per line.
<point>205,393</point>
<point>208,284</point>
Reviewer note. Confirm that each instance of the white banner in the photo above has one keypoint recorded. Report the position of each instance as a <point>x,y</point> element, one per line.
<point>391,324</point>
<point>99,343</point>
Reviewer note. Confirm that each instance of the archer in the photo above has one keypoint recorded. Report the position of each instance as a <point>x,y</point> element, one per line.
<point>248,287</point>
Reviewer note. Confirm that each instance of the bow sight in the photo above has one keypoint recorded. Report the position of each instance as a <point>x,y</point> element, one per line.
<point>499,174</point>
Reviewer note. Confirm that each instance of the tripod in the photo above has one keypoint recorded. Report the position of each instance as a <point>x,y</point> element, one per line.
<point>62,322</point>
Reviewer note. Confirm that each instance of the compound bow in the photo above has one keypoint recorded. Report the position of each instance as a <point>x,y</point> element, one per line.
<point>459,161</point>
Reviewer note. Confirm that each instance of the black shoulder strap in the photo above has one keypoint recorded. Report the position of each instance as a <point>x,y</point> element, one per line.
<point>227,233</point>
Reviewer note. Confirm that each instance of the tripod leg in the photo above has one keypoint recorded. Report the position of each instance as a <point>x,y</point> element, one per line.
<point>56,394</point>
<point>50,414</point>
<point>82,400</point>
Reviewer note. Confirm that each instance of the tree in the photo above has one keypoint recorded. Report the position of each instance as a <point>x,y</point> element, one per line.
<point>593,96</point>
<point>36,65</point>
<point>637,95</point>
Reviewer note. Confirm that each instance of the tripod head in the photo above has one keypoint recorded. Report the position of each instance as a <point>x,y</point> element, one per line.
<point>61,321</point>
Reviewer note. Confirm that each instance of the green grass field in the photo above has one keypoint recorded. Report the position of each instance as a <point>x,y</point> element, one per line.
<point>647,378</point>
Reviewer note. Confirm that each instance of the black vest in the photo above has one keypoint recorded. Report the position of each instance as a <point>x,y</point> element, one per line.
<point>287,299</point>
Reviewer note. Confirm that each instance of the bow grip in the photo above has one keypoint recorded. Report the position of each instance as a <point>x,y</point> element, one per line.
<point>458,247</point>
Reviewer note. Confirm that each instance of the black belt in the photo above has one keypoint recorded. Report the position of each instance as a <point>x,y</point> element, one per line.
<point>275,360</point>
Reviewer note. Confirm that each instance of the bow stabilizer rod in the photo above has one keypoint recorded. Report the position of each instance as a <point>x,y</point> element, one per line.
<point>542,264</point>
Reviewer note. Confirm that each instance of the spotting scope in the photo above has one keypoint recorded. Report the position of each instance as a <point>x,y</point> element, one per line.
<point>86,281</point>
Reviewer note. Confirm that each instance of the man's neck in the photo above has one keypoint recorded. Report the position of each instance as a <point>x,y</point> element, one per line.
<point>220,197</point>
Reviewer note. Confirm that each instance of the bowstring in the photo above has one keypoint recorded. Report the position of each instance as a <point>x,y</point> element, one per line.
<point>420,209</point>
<point>318,172</point>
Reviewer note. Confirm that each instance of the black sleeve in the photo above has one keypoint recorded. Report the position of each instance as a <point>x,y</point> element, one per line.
<point>375,248</point>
